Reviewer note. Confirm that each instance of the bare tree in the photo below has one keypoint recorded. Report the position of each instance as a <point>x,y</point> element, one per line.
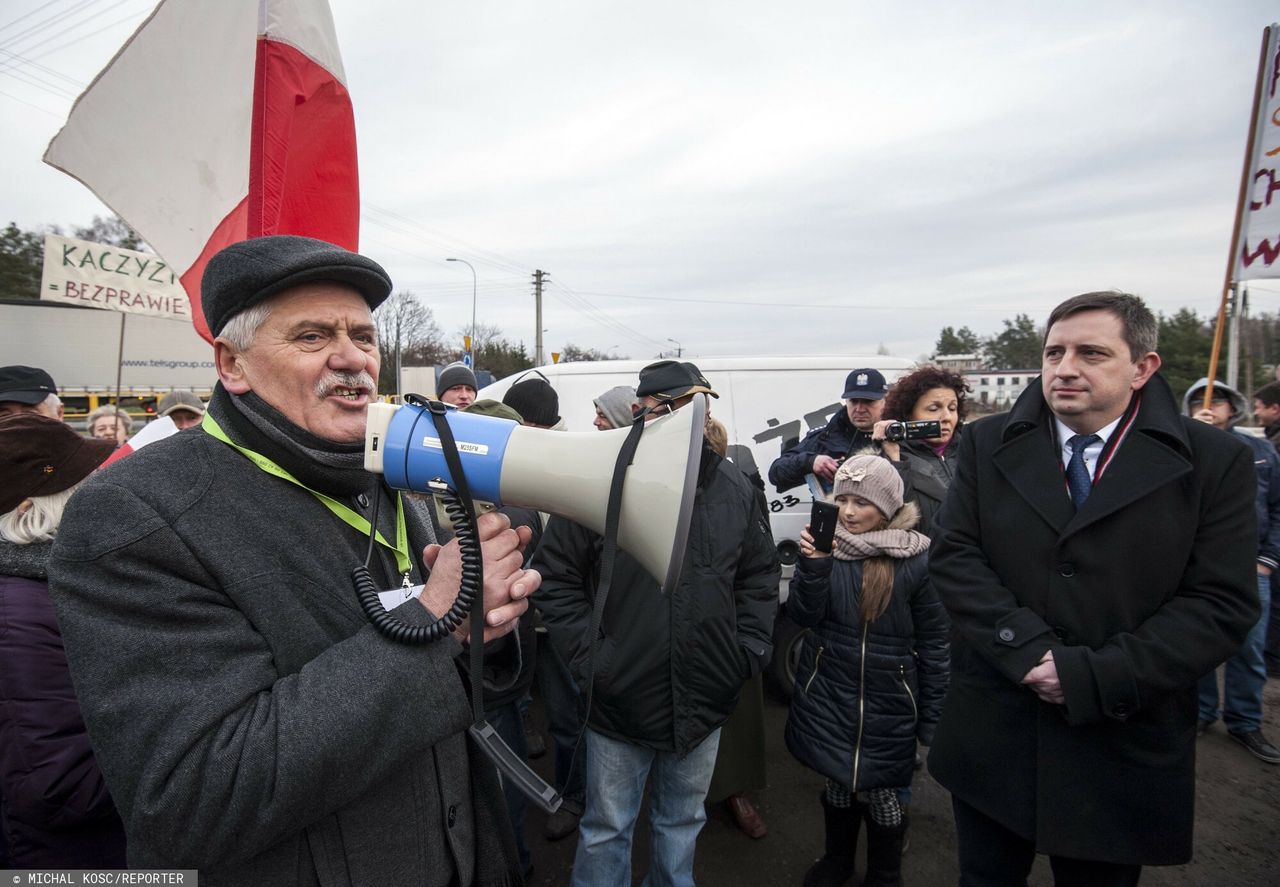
<point>407,327</point>
<point>485,336</point>
<point>570,353</point>
<point>491,349</point>
<point>112,230</point>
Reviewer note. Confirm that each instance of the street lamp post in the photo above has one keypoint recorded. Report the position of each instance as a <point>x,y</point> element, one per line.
<point>679,350</point>
<point>473,297</point>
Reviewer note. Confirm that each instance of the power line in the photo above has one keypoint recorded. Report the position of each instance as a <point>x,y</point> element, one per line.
<point>398,223</point>
<point>508,283</point>
<point>777,304</point>
<point>72,42</point>
<point>55,114</point>
<point>597,315</point>
<point>447,241</point>
<point>24,62</point>
<point>27,15</point>
<point>37,82</point>
<point>45,23</point>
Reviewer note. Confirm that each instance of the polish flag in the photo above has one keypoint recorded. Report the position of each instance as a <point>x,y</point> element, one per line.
<point>199,136</point>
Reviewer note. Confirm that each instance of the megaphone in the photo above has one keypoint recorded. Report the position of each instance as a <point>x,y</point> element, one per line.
<point>561,472</point>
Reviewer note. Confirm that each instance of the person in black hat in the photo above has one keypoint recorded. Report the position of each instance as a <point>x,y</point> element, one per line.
<point>670,667</point>
<point>536,401</point>
<point>822,450</point>
<point>201,585</point>
<point>28,390</point>
<point>667,385</point>
<point>457,385</point>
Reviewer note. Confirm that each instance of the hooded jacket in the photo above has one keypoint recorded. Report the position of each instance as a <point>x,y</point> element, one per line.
<point>669,668</point>
<point>1266,463</point>
<point>866,693</point>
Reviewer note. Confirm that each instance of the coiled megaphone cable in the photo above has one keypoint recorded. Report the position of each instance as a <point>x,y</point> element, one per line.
<point>457,505</point>
<point>392,626</point>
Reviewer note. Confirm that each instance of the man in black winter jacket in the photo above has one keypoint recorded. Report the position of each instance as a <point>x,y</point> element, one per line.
<point>669,668</point>
<point>823,449</point>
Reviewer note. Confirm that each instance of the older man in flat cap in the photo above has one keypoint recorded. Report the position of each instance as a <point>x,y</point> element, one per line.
<point>250,722</point>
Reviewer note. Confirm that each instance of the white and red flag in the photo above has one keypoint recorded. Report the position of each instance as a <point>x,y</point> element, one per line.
<point>199,135</point>
<point>150,433</point>
<point>1258,227</point>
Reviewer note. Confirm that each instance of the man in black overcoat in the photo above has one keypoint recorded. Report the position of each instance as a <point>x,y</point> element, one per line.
<point>1097,560</point>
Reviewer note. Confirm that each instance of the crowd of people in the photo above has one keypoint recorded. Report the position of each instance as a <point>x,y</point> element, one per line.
<point>1040,599</point>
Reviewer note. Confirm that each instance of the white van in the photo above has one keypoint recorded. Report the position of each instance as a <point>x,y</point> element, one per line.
<point>766,403</point>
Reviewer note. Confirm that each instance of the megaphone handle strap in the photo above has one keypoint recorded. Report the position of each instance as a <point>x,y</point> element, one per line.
<point>510,766</point>
<point>459,477</point>
<point>608,556</point>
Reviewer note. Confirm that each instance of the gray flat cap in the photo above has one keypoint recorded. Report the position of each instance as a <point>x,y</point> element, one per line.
<point>252,271</point>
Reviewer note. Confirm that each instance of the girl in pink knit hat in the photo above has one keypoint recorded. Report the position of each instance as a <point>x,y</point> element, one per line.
<point>873,669</point>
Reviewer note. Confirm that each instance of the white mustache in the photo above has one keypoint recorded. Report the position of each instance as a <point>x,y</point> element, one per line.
<point>333,380</point>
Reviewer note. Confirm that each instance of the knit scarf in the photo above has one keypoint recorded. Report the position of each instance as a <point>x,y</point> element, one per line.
<point>332,468</point>
<point>898,540</point>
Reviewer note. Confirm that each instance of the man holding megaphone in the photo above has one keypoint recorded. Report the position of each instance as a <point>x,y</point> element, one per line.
<point>249,720</point>
<point>667,668</point>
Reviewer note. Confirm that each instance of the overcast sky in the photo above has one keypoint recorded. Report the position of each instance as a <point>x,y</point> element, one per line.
<point>750,177</point>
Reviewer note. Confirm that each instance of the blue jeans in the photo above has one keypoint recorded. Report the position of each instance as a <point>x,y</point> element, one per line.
<point>1244,676</point>
<point>1273,628</point>
<point>616,775</point>
<point>563,706</point>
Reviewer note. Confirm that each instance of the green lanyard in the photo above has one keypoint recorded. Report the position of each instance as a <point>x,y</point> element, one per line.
<point>401,548</point>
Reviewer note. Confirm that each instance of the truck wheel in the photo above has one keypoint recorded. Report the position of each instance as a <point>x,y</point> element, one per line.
<point>786,655</point>
<point>788,552</point>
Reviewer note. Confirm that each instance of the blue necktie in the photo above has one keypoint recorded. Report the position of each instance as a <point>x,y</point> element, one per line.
<point>1078,479</point>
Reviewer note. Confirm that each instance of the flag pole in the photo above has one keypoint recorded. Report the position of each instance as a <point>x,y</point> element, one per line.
<point>1235,230</point>
<point>120,359</point>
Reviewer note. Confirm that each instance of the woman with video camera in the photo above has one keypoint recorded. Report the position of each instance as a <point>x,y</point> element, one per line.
<point>930,394</point>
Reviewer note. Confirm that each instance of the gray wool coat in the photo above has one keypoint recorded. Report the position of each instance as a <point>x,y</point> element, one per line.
<point>249,721</point>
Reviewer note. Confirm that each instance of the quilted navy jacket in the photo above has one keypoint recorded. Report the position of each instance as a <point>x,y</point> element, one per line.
<point>866,693</point>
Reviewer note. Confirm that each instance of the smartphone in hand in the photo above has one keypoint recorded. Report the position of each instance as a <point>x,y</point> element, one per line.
<point>822,525</point>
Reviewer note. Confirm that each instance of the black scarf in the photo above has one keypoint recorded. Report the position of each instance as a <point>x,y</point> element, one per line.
<point>334,469</point>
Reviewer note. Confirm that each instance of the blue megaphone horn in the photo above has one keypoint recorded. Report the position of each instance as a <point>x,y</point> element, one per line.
<point>559,472</point>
